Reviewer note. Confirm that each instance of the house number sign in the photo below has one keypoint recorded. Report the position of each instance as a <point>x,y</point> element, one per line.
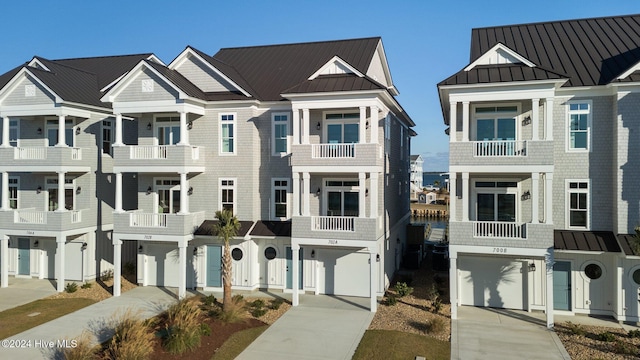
<point>499,250</point>
<point>148,237</point>
<point>333,242</point>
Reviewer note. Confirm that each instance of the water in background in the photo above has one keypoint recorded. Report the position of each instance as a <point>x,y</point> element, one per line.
<point>429,178</point>
<point>435,223</point>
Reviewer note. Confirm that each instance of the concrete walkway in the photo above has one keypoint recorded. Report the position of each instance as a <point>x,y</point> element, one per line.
<point>95,319</point>
<point>23,291</point>
<point>322,327</point>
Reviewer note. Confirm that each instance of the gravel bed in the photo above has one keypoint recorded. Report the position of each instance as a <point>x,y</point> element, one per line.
<point>584,342</point>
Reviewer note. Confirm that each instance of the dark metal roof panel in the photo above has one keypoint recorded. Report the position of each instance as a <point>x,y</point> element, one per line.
<point>272,228</point>
<point>329,83</point>
<point>206,228</point>
<point>106,68</point>
<point>70,84</point>
<point>485,74</point>
<point>625,242</point>
<point>6,77</point>
<point>601,241</point>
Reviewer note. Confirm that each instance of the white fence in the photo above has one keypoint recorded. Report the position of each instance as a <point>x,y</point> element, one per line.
<point>499,229</point>
<point>332,223</point>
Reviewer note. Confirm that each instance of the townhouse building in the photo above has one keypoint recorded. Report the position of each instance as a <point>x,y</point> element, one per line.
<point>305,143</point>
<point>544,168</point>
<point>415,167</point>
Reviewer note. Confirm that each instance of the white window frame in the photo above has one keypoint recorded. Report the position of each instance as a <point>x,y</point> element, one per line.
<point>173,118</point>
<point>17,186</point>
<point>343,121</point>
<point>495,191</point>
<point>287,188</point>
<point>16,127</point>
<point>110,125</point>
<point>173,186</point>
<point>51,182</point>
<point>234,134</point>
<point>233,187</point>
<point>568,130</point>
<point>286,123</point>
<point>495,115</point>
<point>69,123</point>
<point>345,188</point>
<point>568,192</point>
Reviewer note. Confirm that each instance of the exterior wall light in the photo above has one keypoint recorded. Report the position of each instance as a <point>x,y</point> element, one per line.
<point>190,125</point>
<point>526,120</point>
<point>532,267</point>
<point>39,131</point>
<point>84,246</point>
<point>36,244</point>
<point>78,190</point>
<point>526,195</point>
<point>313,253</point>
<point>377,257</point>
<point>149,126</point>
<point>78,130</point>
<point>149,190</point>
<point>318,192</point>
<point>190,191</point>
<point>140,248</point>
<point>39,190</point>
<point>318,126</point>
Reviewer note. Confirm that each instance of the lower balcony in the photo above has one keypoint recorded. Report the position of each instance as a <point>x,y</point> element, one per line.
<point>39,220</point>
<point>35,157</point>
<point>334,227</point>
<point>138,222</point>
<point>499,229</point>
<point>152,158</point>
<point>501,234</point>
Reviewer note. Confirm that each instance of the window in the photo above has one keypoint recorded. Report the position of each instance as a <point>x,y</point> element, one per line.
<point>342,128</point>
<point>342,198</point>
<point>593,271</point>
<point>69,194</point>
<point>168,191</point>
<point>236,254</point>
<point>636,276</point>
<point>578,204</point>
<point>107,136</point>
<point>270,253</point>
<point>14,134</point>
<point>579,121</point>
<point>14,184</point>
<point>227,194</point>
<point>52,132</point>
<point>168,130</point>
<point>280,130</point>
<point>496,200</point>
<point>227,133</point>
<point>280,190</point>
<point>496,123</point>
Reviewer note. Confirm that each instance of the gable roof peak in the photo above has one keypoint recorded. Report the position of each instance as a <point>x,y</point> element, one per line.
<point>499,54</point>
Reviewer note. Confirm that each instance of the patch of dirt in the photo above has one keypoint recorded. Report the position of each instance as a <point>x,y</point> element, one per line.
<point>582,342</point>
<point>99,290</point>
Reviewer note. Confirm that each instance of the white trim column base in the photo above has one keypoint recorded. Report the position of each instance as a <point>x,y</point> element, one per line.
<point>295,258</point>
<point>59,258</point>
<point>4,258</point>
<point>373,305</point>
<point>548,262</point>
<point>117,265</point>
<point>182,282</point>
<point>453,286</point>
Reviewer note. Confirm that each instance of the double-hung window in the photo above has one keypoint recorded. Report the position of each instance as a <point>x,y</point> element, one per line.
<point>107,136</point>
<point>280,129</point>
<point>14,184</point>
<point>227,134</point>
<point>14,132</point>
<point>227,195</point>
<point>579,118</point>
<point>578,204</point>
<point>52,132</point>
<point>280,190</point>
<point>168,130</point>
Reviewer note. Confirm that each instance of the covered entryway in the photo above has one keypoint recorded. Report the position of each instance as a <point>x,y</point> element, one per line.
<point>162,267</point>
<point>289,268</point>
<point>73,260</point>
<point>24,258</point>
<point>343,272</point>
<point>214,265</point>
<point>498,282</point>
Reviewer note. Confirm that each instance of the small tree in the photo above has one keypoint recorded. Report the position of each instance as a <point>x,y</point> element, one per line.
<point>226,228</point>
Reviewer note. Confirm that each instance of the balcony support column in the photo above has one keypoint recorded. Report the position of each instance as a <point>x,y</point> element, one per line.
<point>535,192</point>
<point>117,265</point>
<point>118,129</point>
<point>182,281</point>
<point>548,119</point>
<point>373,195</point>
<point>465,196</point>
<point>61,131</point>
<point>4,260</point>
<point>184,135</point>
<point>296,126</point>
<point>59,259</point>
<point>362,192</point>
<point>5,131</point>
<point>295,281</point>
<point>5,191</point>
<point>184,186</point>
<point>296,194</point>
<point>465,121</point>
<point>306,126</point>
<point>373,288</point>
<point>452,196</point>
<point>453,121</point>
<point>548,196</point>
<point>363,125</point>
<point>548,268</point>
<point>453,285</point>
<point>306,189</point>
<point>118,193</point>
<point>61,202</point>
<point>374,124</point>
<point>535,118</point>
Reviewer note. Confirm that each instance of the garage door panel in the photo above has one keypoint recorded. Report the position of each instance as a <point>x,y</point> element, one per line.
<point>492,282</point>
<point>343,272</point>
<point>163,267</point>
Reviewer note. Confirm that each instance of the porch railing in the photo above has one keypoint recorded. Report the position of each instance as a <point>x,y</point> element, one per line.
<point>29,216</point>
<point>139,152</point>
<point>138,219</point>
<point>30,153</point>
<point>76,154</point>
<point>500,148</point>
<point>76,216</point>
<point>332,223</point>
<point>499,229</point>
<point>333,151</point>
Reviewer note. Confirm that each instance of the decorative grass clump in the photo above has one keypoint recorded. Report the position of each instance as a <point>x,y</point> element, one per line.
<point>276,303</point>
<point>183,329</point>
<point>71,288</point>
<point>81,348</point>
<point>236,311</point>
<point>86,286</point>
<point>132,338</point>
<point>258,308</point>
<point>606,337</point>
<point>402,289</point>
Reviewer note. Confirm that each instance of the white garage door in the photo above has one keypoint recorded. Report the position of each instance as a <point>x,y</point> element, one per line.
<point>493,282</point>
<point>162,265</point>
<point>343,272</point>
<point>73,261</point>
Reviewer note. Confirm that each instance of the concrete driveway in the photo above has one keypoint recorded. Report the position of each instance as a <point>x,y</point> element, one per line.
<point>485,333</point>
<point>23,291</point>
<point>322,327</point>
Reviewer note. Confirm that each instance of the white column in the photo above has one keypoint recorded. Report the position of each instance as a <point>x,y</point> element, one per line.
<point>361,194</point>
<point>548,264</point>
<point>306,190</point>
<point>295,281</point>
<point>465,196</point>
<point>296,126</point>
<point>4,261</point>
<point>535,192</point>
<point>61,202</point>
<point>184,135</point>
<point>5,131</point>
<point>118,130</point>
<point>548,196</point>
<point>453,121</point>
<point>182,281</point>
<point>296,194</point>
<point>61,131</point>
<point>118,193</point>
<point>306,126</point>
<point>374,124</point>
<point>184,186</point>
<point>363,125</point>
<point>453,285</point>
<point>59,258</point>
<point>373,195</point>
<point>619,310</point>
<point>465,121</point>
<point>117,265</point>
<point>535,118</point>
<point>373,288</point>
<point>548,119</point>
<point>453,183</point>
<point>5,191</point>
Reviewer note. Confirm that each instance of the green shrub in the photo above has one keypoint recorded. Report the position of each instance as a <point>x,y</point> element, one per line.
<point>436,325</point>
<point>71,288</point>
<point>183,329</point>
<point>576,329</point>
<point>86,286</point>
<point>205,329</point>
<point>634,333</point>
<point>436,305</point>
<point>606,336</point>
<point>258,304</point>
<point>132,338</point>
<point>209,300</point>
<point>432,292</point>
<point>402,289</point>
<point>106,275</point>
<point>258,312</point>
<point>276,303</point>
<point>235,312</point>
<point>391,300</point>
<point>623,347</point>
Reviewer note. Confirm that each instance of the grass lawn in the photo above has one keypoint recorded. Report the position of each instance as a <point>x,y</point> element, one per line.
<point>17,320</point>
<point>387,344</point>
<point>238,342</point>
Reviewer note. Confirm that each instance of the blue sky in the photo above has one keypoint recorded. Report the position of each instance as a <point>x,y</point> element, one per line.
<point>424,42</point>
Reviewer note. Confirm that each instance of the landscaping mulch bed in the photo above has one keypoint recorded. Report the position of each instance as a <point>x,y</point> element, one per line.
<point>582,342</point>
<point>99,289</point>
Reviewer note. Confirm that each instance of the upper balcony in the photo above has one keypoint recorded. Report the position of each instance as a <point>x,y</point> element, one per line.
<point>501,152</point>
<point>153,225</point>
<point>341,155</point>
<point>158,158</point>
<point>45,158</point>
<point>32,221</point>
<point>334,228</point>
<point>501,234</point>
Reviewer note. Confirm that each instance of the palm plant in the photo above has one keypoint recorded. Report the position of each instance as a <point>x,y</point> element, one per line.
<point>226,228</point>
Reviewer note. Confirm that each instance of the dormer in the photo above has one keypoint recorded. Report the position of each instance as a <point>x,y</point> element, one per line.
<point>38,64</point>
<point>336,66</point>
<point>498,55</point>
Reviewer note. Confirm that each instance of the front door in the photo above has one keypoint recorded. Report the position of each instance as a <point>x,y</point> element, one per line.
<point>23,257</point>
<point>214,266</point>
<point>290,268</point>
<point>562,285</point>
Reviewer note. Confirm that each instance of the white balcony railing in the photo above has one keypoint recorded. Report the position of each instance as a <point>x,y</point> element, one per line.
<point>195,153</point>
<point>499,229</point>
<point>29,216</point>
<point>76,153</point>
<point>332,223</point>
<point>138,219</point>
<point>500,148</point>
<point>333,151</point>
<point>139,152</point>
<point>30,153</point>
<point>76,216</point>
